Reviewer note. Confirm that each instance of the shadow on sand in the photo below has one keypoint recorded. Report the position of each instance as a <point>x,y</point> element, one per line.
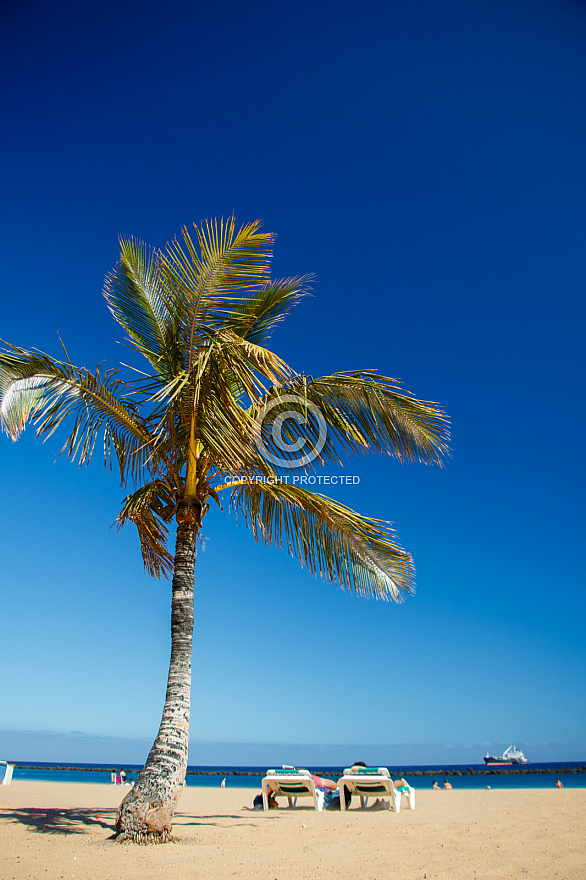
<point>79,821</point>
<point>49,821</point>
<point>182,820</point>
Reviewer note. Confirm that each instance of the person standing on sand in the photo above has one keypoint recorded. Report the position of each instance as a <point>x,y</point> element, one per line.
<point>223,783</point>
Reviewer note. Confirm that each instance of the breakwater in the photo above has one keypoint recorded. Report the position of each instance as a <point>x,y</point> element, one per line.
<point>326,771</point>
<point>446,771</point>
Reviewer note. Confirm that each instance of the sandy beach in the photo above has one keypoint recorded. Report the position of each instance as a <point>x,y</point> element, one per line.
<point>61,830</point>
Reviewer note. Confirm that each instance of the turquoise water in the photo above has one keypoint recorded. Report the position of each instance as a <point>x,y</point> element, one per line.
<point>212,776</point>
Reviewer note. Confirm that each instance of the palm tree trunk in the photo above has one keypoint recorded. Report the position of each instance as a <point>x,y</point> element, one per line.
<point>146,813</point>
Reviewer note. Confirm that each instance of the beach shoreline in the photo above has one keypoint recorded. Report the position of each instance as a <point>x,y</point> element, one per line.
<point>59,830</point>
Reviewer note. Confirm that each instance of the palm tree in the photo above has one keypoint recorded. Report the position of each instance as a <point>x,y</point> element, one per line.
<point>199,424</point>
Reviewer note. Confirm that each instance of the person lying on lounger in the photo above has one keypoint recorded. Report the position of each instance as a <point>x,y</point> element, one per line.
<point>328,786</point>
<point>398,783</point>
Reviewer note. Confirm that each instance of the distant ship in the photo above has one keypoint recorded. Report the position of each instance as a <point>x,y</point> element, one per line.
<point>512,755</point>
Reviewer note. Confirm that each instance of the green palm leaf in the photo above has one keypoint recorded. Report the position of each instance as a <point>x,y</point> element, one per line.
<point>227,261</point>
<point>255,318</point>
<point>366,412</point>
<point>150,508</point>
<point>356,552</point>
<point>149,311</point>
<point>37,388</point>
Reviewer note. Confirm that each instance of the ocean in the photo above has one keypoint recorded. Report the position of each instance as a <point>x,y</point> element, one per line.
<point>540,775</point>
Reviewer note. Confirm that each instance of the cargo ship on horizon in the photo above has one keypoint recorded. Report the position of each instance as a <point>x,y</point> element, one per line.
<point>512,755</point>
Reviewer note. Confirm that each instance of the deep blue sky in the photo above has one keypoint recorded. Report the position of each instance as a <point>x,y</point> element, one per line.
<point>426,161</point>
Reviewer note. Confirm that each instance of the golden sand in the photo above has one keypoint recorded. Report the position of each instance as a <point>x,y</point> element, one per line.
<point>61,830</point>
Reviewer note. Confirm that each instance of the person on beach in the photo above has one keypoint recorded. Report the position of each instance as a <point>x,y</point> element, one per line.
<point>324,784</point>
<point>447,785</point>
<point>331,792</point>
<point>378,804</point>
<point>398,783</point>
<point>258,804</point>
<point>435,785</point>
<point>223,783</point>
<point>559,783</point>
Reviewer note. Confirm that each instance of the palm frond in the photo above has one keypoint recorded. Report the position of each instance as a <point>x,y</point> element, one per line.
<point>226,375</point>
<point>200,312</point>
<point>242,355</point>
<point>367,412</point>
<point>356,552</point>
<point>148,310</point>
<point>147,509</point>
<point>42,390</point>
<point>223,419</point>
<point>255,318</point>
<point>223,261</point>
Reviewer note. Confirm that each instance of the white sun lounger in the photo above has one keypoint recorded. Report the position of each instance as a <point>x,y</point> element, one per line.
<point>7,773</point>
<point>292,784</point>
<point>368,781</point>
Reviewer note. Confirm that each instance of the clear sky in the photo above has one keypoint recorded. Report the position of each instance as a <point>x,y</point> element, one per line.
<point>426,161</point>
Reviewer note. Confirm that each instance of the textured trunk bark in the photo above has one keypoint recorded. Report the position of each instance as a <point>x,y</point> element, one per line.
<point>146,813</point>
